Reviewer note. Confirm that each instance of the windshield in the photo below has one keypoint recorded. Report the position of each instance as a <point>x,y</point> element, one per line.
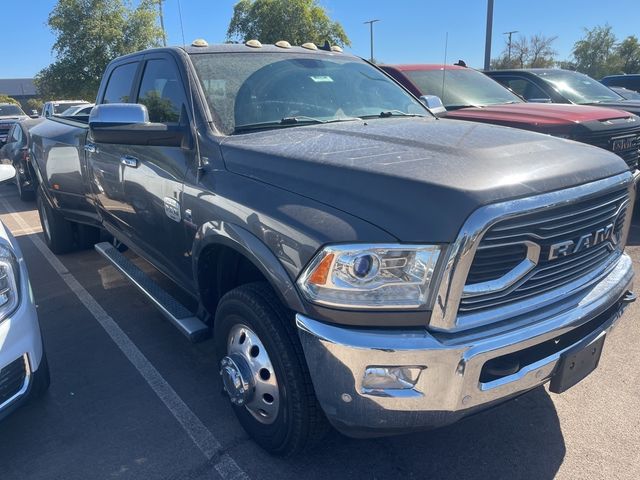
<point>462,87</point>
<point>10,111</point>
<point>245,89</point>
<point>579,88</point>
<point>61,108</point>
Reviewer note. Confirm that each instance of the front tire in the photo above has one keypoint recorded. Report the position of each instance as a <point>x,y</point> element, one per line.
<point>264,371</point>
<point>26,195</point>
<point>57,230</point>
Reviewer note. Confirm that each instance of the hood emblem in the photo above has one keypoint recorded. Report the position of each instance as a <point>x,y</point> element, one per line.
<point>589,240</point>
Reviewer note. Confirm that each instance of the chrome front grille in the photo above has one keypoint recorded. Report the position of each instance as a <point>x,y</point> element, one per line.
<point>548,228</point>
<point>630,154</point>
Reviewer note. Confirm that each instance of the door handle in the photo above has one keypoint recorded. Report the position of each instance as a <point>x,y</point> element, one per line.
<point>90,148</point>
<point>129,161</point>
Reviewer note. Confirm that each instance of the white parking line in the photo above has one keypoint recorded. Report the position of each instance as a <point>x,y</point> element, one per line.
<point>226,467</point>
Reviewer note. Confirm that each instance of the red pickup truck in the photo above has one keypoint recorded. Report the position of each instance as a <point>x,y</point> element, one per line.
<point>468,94</point>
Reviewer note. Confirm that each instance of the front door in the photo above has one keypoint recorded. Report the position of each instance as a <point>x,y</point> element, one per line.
<point>153,176</point>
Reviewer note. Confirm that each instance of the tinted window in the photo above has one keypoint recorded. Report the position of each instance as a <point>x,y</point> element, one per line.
<point>461,87</point>
<point>120,82</point>
<point>245,89</point>
<point>161,91</point>
<point>10,110</point>
<point>577,87</point>
<point>525,88</point>
<point>16,134</point>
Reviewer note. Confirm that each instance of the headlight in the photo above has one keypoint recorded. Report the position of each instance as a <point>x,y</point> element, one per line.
<point>8,283</point>
<point>370,276</point>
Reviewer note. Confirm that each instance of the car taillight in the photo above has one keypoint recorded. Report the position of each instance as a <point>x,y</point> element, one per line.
<point>25,155</point>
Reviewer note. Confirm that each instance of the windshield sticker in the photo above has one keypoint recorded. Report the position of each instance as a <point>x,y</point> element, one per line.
<point>321,78</point>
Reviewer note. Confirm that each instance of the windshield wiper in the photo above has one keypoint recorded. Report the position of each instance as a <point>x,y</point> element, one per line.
<point>290,121</point>
<point>393,113</point>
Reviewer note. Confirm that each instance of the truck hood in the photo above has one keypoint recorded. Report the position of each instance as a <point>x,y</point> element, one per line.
<point>416,178</point>
<point>632,106</point>
<point>538,114</point>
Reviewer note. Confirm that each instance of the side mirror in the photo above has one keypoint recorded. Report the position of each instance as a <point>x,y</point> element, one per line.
<point>34,114</point>
<point>434,104</point>
<point>7,172</point>
<point>539,100</point>
<point>128,124</point>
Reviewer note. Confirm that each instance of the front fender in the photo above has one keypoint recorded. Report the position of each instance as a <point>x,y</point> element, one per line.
<point>244,242</point>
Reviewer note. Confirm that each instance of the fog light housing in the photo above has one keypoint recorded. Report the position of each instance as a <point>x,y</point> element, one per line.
<point>391,378</point>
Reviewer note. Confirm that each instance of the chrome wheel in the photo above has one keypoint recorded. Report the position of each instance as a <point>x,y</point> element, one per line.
<point>248,375</point>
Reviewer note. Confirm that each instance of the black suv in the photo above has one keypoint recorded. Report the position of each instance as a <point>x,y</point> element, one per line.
<point>630,82</point>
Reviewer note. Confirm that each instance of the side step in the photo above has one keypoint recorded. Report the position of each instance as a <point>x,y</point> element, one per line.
<point>191,326</point>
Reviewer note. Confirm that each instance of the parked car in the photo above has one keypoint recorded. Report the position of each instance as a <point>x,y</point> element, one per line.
<point>554,85</point>
<point>83,109</point>
<point>630,82</point>
<point>10,113</point>
<point>470,95</point>
<point>626,93</point>
<point>57,107</point>
<point>24,371</point>
<point>355,258</point>
<point>16,151</point>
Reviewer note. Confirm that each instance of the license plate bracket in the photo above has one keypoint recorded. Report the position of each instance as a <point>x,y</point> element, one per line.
<point>576,364</point>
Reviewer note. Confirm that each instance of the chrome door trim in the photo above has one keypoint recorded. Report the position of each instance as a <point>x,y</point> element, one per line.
<point>461,253</point>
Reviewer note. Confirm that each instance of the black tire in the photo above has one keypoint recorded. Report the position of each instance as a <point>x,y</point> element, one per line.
<point>88,236</point>
<point>41,379</point>
<point>26,195</point>
<point>300,422</point>
<point>57,230</point>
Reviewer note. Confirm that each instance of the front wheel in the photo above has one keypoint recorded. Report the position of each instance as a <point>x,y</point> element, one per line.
<point>26,194</point>
<point>264,371</point>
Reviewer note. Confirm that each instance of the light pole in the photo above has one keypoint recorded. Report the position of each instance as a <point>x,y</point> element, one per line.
<point>164,33</point>
<point>371,22</point>
<point>487,44</point>
<point>509,42</point>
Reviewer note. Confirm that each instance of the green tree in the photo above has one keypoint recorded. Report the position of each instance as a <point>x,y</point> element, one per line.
<point>89,34</point>
<point>594,54</point>
<point>533,52</point>
<point>297,21</point>
<point>8,99</point>
<point>628,55</point>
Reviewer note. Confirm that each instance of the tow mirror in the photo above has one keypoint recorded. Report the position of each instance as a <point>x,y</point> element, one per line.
<point>434,104</point>
<point>128,124</point>
<point>7,172</point>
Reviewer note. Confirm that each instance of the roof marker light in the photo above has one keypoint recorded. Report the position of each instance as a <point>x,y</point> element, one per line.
<point>253,44</point>
<point>283,44</point>
<point>309,46</point>
<point>336,48</point>
<point>199,42</point>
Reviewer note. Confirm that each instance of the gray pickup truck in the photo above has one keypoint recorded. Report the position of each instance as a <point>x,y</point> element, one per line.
<point>356,259</point>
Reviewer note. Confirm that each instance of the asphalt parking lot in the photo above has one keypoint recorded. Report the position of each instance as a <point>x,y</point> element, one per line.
<point>131,398</point>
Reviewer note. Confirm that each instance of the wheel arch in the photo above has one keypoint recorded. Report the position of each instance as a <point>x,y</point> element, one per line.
<point>214,239</point>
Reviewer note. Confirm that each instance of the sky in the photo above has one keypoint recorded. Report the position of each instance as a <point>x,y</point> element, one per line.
<point>409,31</point>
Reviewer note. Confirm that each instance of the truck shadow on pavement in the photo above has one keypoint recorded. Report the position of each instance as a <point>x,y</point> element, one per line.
<point>519,439</point>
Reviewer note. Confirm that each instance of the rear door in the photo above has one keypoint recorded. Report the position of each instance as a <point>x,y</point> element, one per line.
<point>153,176</point>
<point>104,167</point>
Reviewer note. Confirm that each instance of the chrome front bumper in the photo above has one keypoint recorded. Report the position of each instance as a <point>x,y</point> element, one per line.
<point>449,386</point>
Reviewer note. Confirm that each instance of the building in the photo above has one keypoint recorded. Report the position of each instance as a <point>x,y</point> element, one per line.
<point>22,89</point>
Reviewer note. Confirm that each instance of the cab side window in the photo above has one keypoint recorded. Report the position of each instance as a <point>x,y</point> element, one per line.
<point>119,85</point>
<point>525,88</point>
<point>16,134</point>
<point>162,92</point>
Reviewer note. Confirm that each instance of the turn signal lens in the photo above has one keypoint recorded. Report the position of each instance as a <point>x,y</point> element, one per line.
<point>321,272</point>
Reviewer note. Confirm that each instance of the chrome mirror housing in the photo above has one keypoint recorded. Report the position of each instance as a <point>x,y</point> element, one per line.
<point>118,114</point>
<point>434,104</point>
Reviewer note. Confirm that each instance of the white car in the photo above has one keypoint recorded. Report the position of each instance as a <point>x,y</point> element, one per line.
<point>24,372</point>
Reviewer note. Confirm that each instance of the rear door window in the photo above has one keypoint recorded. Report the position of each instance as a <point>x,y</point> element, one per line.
<point>120,83</point>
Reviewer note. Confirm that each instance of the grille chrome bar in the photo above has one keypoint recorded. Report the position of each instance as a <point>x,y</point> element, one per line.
<point>460,254</point>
